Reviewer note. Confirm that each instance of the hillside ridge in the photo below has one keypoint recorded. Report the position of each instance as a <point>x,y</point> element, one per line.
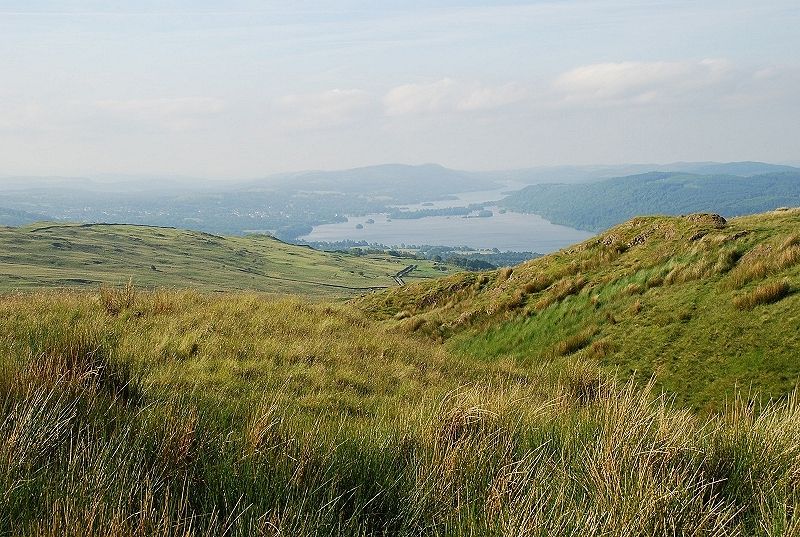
<point>701,303</point>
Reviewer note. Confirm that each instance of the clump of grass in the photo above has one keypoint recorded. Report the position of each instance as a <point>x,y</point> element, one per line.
<point>766,293</point>
<point>116,299</point>
<point>687,272</point>
<point>414,323</point>
<point>583,381</point>
<point>726,260</point>
<point>764,260</point>
<point>744,273</point>
<point>560,290</point>
<point>788,257</point>
<point>791,240</point>
<point>599,349</point>
<point>504,273</point>
<point>655,281</point>
<point>400,315</point>
<point>540,282</point>
<point>575,342</point>
<point>633,289</point>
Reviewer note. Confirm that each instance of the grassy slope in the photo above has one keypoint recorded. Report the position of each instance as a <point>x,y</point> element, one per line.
<point>656,296</point>
<point>83,256</point>
<point>194,414</point>
<point>188,413</point>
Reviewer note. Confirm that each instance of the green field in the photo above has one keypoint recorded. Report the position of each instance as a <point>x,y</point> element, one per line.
<point>72,255</point>
<point>641,383</point>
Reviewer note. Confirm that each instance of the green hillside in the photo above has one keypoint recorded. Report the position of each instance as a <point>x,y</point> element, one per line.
<point>492,403</point>
<point>600,205</point>
<point>71,255</point>
<point>702,305</point>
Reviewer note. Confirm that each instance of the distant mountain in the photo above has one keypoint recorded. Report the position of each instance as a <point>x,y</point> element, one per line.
<point>584,174</point>
<point>290,204</point>
<point>742,169</point>
<point>599,205</point>
<point>397,182</point>
<point>13,217</point>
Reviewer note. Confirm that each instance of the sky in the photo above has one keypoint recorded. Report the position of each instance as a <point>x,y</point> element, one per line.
<point>245,88</point>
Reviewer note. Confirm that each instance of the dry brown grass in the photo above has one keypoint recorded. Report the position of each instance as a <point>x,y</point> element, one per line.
<point>575,342</point>
<point>787,257</point>
<point>791,240</point>
<point>504,273</point>
<point>116,299</point>
<point>633,289</point>
<point>746,271</point>
<point>560,290</point>
<point>766,293</point>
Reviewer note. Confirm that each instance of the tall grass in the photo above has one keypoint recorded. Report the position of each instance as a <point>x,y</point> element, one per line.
<point>766,293</point>
<point>102,435</point>
<point>485,460</point>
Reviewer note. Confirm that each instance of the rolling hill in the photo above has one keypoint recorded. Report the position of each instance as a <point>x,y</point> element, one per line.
<point>493,403</point>
<point>698,303</point>
<point>87,255</point>
<point>600,205</point>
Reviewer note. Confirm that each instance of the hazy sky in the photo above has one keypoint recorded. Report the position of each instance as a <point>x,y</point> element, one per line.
<point>245,88</point>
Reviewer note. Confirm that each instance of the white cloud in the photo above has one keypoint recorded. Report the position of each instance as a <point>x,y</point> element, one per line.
<point>640,82</point>
<point>419,98</point>
<point>489,98</point>
<point>449,95</point>
<point>325,109</point>
<point>175,113</point>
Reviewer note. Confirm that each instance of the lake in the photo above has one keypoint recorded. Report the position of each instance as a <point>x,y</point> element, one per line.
<point>509,231</point>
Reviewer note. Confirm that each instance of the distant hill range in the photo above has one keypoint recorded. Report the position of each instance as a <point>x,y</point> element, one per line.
<point>586,174</point>
<point>397,182</point>
<point>14,217</point>
<point>288,205</point>
<point>599,205</point>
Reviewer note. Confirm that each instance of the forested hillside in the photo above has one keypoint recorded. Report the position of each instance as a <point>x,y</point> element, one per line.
<point>600,205</point>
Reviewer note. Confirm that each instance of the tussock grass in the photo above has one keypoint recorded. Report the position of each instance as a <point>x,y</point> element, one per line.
<point>766,293</point>
<point>685,273</point>
<point>575,342</point>
<point>116,299</point>
<point>179,413</point>
<point>594,458</point>
<point>748,271</point>
<point>560,290</point>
